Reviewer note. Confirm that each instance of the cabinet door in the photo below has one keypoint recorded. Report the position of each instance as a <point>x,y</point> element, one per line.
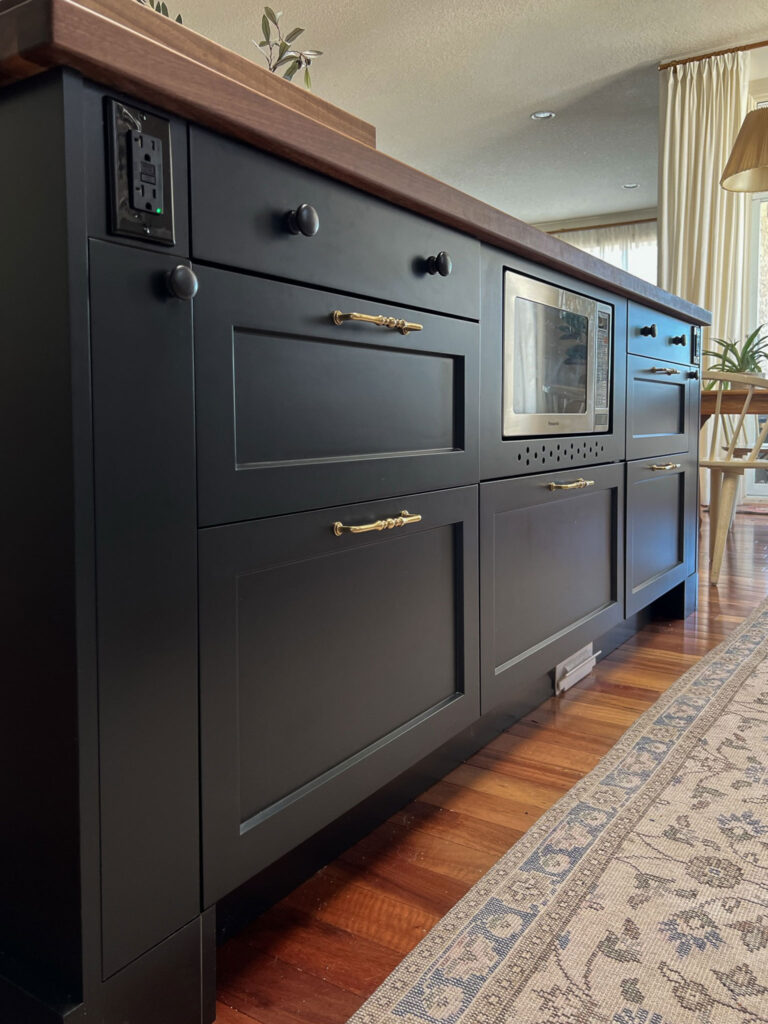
<point>661,526</point>
<point>551,571</point>
<point>329,664</point>
<point>660,336</point>
<point>240,201</point>
<point>146,559</point>
<point>660,400</point>
<point>297,412</point>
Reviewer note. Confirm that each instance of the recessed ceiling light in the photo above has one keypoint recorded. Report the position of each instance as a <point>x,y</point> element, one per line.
<point>630,184</point>
<point>543,115</point>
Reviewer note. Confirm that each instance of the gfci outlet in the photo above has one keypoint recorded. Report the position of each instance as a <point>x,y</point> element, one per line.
<point>140,173</point>
<point>146,152</point>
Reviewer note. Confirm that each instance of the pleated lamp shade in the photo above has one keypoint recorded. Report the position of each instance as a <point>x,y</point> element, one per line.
<point>747,167</point>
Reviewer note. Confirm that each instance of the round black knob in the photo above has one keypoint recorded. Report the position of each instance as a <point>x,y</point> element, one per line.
<point>303,220</point>
<point>182,283</point>
<point>441,264</point>
<point>679,340</point>
<point>648,332</point>
<point>693,375</point>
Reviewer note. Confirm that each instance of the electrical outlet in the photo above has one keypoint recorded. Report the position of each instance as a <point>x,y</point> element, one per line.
<point>140,173</point>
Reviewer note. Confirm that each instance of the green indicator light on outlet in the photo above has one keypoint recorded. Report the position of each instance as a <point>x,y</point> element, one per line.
<point>158,210</point>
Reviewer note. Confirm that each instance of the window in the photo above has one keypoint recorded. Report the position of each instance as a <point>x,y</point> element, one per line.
<point>632,247</point>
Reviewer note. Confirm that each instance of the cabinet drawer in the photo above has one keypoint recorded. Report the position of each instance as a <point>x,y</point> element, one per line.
<point>662,511</point>
<point>551,572</point>
<point>661,336</point>
<point>329,664</point>
<point>661,404</point>
<point>295,412</point>
<point>241,199</point>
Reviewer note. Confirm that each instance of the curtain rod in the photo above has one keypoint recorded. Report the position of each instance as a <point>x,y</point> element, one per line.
<point>597,227</point>
<point>715,53</point>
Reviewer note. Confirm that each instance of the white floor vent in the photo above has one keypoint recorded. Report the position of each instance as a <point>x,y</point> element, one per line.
<point>573,669</point>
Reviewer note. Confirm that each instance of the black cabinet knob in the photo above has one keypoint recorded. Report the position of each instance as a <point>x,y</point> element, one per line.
<point>693,375</point>
<point>680,339</point>
<point>441,264</point>
<point>182,283</point>
<point>303,220</point>
<point>649,331</point>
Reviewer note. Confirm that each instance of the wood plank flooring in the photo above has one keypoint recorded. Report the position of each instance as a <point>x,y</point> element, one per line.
<point>316,956</point>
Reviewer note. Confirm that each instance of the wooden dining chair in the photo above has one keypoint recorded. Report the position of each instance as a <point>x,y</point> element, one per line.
<point>737,442</point>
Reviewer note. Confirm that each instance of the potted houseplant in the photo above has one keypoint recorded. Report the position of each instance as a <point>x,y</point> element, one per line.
<point>739,356</point>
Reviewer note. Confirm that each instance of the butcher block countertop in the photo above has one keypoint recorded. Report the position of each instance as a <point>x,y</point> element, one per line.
<point>125,46</point>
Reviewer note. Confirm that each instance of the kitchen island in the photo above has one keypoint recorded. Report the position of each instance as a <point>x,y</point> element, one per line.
<point>270,567</point>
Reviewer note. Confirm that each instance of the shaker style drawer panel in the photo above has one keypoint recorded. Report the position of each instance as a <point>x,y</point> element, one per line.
<point>330,662</point>
<point>242,201</point>
<point>659,402</point>
<point>661,526</point>
<point>660,336</point>
<point>551,572</point>
<point>295,411</point>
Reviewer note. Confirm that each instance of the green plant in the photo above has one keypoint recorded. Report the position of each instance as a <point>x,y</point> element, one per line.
<point>277,50</point>
<point>160,7</point>
<point>739,357</point>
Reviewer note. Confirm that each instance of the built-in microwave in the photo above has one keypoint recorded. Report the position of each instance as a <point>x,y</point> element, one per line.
<point>557,360</point>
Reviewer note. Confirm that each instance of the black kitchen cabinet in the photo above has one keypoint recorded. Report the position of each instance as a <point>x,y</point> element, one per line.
<point>552,572</point>
<point>295,411</point>
<point>208,659</point>
<point>329,662</point>
<point>360,244</point>
<point>146,579</point>
<point>657,335</point>
<point>662,404</point>
<point>662,516</point>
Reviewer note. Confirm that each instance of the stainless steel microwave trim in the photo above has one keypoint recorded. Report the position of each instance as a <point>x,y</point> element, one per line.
<point>596,417</point>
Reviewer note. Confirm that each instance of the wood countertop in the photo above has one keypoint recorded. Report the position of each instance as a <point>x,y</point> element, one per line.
<point>125,46</point>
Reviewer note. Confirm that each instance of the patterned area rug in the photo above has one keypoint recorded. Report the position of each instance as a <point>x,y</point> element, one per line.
<point>641,897</point>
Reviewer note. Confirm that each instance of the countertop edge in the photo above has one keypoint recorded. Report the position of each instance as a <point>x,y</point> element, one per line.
<point>36,35</point>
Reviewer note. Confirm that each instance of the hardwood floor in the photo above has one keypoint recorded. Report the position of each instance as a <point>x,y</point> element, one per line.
<point>316,956</point>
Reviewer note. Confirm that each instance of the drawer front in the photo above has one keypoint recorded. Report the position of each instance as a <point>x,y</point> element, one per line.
<point>660,336</point>
<point>295,412</point>
<point>661,404</point>
<point>661,526</point>
<point>241,199</point>
<point>551,572</point>
<point>329,664</point>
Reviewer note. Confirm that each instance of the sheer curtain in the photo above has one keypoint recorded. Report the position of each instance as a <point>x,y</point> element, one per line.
<point>632,247</point>
<point>702,228</point>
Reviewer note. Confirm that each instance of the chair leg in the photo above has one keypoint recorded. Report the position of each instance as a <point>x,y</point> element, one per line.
<point>727,499</point>
<point>715,482</point>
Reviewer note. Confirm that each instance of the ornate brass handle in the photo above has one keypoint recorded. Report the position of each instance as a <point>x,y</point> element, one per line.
<point>663,369</point>
<point>577,485</point>
<point>381,524</point>
<point>381,321</point>
<point>665,466</point>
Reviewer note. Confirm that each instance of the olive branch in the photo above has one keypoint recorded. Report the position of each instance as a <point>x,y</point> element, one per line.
<point>277,50</point>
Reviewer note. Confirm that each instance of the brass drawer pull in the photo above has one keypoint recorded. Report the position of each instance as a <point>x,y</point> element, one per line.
<point>662,369</point>
<point>665,467</point>
<point>381,524</point>
<point>381,321</point>
<point>553,485</point>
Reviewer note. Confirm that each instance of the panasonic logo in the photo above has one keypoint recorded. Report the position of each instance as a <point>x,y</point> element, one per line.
<point>553,423</point>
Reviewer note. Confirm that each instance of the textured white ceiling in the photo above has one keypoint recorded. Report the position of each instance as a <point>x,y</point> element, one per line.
<point>450,85</point>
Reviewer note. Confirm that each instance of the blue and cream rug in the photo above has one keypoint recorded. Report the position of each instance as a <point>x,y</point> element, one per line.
<point>641,897</point>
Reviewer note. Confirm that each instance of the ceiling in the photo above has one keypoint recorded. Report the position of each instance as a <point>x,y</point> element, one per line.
<point>450,86</point>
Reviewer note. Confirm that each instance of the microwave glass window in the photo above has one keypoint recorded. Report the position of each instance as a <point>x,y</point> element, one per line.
<point>550,359</point>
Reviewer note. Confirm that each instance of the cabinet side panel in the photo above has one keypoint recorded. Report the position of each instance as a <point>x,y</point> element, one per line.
<point>40,938</point>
